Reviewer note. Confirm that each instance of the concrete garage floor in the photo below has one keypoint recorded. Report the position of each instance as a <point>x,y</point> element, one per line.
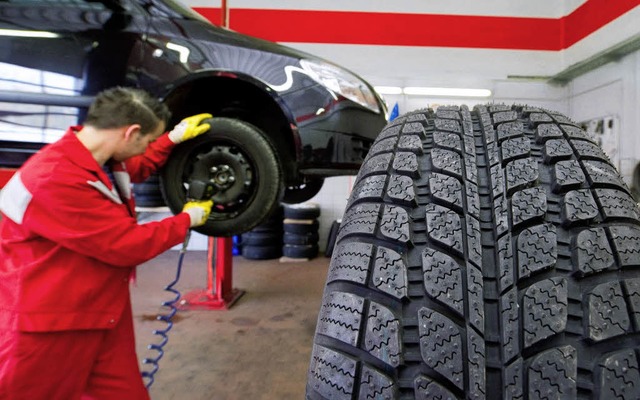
<point>257,349</point>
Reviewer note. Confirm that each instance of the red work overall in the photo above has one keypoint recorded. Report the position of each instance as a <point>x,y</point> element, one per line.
<point>69,242</point>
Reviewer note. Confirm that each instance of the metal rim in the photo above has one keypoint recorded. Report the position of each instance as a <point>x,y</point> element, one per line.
<point>230,170</point>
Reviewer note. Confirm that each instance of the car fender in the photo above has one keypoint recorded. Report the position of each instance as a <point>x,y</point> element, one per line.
<point>170,90</point>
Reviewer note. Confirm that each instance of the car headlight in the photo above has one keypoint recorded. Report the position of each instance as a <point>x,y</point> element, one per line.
<point>341,82</point>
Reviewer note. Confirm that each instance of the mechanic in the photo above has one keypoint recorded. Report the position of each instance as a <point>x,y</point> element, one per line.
<point>69,244</point>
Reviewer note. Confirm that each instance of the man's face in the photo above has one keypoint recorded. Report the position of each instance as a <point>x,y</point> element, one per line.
<point>138,142</point>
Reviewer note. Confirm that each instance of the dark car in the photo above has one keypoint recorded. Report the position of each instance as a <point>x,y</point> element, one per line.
<point>283,119</point>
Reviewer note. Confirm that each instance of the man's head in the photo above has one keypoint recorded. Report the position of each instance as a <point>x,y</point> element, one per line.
<point>119,106</point>
<point>139,116</point>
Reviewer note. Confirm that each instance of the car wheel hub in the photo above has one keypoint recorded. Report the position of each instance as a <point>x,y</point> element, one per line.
<point>227,168</point>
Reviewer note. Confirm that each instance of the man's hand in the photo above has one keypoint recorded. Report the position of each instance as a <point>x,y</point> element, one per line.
<point>198,211</point>
<point>189,128</point>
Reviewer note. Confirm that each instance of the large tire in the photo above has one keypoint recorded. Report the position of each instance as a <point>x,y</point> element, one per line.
<point>491,254</point>
<point>246,201</point>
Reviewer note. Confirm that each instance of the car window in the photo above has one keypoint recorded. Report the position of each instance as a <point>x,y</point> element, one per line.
<point>44,49</point>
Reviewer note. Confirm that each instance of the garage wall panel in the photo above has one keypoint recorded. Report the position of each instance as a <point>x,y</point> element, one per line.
<point>612,90</point>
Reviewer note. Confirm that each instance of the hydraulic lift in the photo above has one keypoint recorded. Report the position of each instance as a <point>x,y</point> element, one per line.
<point>219,293</point>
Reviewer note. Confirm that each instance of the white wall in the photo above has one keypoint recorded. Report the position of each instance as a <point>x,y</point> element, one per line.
<point>612,90</point>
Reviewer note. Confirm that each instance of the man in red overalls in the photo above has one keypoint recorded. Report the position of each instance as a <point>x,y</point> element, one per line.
<point>69,242</point>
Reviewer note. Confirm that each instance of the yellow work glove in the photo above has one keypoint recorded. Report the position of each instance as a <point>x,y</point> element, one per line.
<point>198,211</point>
<point>189,128</point>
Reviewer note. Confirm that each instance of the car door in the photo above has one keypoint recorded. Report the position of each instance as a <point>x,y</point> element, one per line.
<point>55,56</point>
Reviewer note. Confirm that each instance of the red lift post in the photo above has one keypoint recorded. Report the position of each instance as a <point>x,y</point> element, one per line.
<point>219,294</point>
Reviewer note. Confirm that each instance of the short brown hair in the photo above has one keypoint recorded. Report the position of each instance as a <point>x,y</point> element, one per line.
<point>120,106</point>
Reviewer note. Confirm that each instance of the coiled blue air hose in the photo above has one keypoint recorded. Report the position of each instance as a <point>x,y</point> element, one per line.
<point>163,333</point>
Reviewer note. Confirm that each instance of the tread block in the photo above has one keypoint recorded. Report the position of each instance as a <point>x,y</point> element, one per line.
<point>592,252</point>
<point>401,189</point>
<point>415,127</point>
<point>395,130</point>
<point>553,374</point>
<point>509,130</point>
<point>545,132</point>
<point>509,310</point>
<point>441,345</point>
<point>382,337</point>
<point>406,162</point>
<point>545,310</point>
<point>477,362</point>
<point>568,175</point>
<point>350,262</point>
<point>331,374</point>
<point>501,214</point>
<point>505,262</point>
<point>475,299</point>
<point>528,204</point>
<point>579,205</point>
<point>626,241</point>
<point>513,377</point>
<point>619,376</point>
<point>632,287</point>
<point>444,227</point>
<point>447,140</point>
<point>410,143</point>
<point>375,385</point>
<point>375,164</point>
<point>446,188</point>
<point>537,250</point>
<point>473,200</point>
<point>340,317</point>
<point>360,218</point>
<point>447,114</point>
<point>442,277</point>
<point>589,150</point>
<point>427,389</point>
<point>571,130</point>
<point>504,116</point>
<point>447,160</point>
<point>515,148</point>
<point>603,173</point>
<point>448,125</point>
<point>616,203</point>
<point>608,315</point>
<point>390,273</point>
<point>556,150</point>
<point>369,188</point>
<point>521,173</point>
<point>394,224</point>
<point>384,146</point>
<point>539,117</point>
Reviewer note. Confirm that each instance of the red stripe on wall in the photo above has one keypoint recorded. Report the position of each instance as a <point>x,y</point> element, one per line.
<point>398,29</point>
<point>591,16</point>
<point>214,15</point>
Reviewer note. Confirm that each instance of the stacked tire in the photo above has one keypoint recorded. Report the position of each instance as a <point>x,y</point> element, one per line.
<point>301,230</point>
<point>264,242</point>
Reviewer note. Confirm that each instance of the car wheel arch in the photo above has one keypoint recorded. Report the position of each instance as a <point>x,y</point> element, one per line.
<point>241,97</point>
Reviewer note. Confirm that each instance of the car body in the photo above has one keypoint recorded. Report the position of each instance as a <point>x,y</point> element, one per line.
<point>55,56</point>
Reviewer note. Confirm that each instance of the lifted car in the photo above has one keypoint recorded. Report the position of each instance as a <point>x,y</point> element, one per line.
<point>283,120</point>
